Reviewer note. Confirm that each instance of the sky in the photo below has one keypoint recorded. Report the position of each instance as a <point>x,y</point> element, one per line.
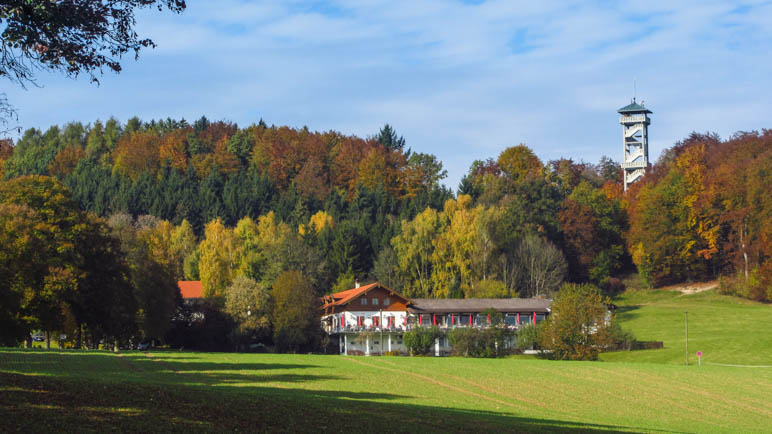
<point>462,80</point>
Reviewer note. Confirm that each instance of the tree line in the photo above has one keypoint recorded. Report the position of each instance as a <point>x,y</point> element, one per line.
<point>238,208</point>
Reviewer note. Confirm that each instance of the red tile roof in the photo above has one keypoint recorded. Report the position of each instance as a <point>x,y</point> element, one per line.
<point>343,297</point>
<point>191,288</point>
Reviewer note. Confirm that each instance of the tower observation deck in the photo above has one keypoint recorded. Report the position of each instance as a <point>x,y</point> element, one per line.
<point>635,122</point>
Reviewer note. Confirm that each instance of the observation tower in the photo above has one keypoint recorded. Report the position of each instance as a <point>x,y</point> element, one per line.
<point>635,122</point>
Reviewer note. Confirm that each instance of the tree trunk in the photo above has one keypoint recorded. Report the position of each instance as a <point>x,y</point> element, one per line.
<point>78,335</point>
<point>48,340</point>
<point>745,253</point>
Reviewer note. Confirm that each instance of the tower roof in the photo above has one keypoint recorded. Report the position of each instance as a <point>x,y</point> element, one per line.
<point>634,107</point>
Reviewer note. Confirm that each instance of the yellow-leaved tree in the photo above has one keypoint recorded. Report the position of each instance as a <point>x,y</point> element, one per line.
<point>414,247</point>
<point>217,263</point>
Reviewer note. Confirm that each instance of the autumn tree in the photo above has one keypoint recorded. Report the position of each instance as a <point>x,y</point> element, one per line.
<point>137,153</point>
<point>592,226</point>
<point>576,328</point>
<point>57,260</point>
<point>152,277</point>
<point>422,172</point>
<point>218,254</point>
<point>664,220</point>
<point>519,163</point>
<point>249,305</point>
<point>295,315</point>
<point>20,245</point>
<point>454,245</point>
<point>172,149</point>
<point>489,288</point>
<point>66,161</point>
<point>317,223</point>
<point>414,247</point>
<point>47,275</point>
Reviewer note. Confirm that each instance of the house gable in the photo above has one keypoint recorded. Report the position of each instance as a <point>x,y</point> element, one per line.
<point>377,297</point>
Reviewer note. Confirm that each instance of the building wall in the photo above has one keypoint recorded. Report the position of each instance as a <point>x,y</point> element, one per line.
<point>376,300</point>
<point>356,343</point>
<point>351,319</point>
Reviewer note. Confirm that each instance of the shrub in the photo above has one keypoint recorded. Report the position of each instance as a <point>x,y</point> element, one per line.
<point>462,340</point>
<point>470,342</point>
<point>619,338</point>
<point>758,286</point>
<point>576,329</point>
<point>527,337</point>
<point>421,340</point>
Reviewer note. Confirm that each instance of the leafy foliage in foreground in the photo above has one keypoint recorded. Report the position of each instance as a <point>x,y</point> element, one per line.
<point>578,327</point>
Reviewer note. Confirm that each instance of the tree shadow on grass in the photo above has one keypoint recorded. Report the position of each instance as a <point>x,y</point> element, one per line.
<point>148,362</point>
<point>49,361</point>
<point>34,403</point>
<point>217,379</point>
<point>627,312</point>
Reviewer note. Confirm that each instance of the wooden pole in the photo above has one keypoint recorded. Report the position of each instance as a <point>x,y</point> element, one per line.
<point>687,337</point>
<point>380,323</point>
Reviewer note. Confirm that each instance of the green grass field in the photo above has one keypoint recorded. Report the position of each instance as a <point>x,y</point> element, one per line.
<point>631,391</point>
<point>727,330</point>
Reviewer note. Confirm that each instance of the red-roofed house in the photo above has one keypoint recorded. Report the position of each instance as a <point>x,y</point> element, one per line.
<point>190,289</point>
<point>372,307</point>
<point>371,319</point>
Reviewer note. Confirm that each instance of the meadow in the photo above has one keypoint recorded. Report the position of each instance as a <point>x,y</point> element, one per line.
<point>728,330</point>
<point>629,391</point>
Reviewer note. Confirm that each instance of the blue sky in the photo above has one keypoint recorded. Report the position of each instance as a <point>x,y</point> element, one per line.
<point>460,79</point>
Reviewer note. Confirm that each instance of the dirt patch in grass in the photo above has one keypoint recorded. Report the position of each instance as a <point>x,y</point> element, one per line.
<point>692,288</point>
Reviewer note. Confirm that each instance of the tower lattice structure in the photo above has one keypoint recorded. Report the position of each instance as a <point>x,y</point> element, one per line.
<point>635,122</point>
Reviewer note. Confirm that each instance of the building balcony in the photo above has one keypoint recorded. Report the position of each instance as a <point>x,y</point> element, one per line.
<point>634,119</point>
<point>406,328</point>
<point>640,164</point>
<point>360,329</point>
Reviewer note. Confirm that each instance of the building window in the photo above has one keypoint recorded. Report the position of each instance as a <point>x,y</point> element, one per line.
<point>375,302</point>
<point>364,301</point>
<point>386,301</point>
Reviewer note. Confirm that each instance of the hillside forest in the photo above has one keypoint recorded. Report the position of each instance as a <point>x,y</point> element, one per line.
<point>99,221</point>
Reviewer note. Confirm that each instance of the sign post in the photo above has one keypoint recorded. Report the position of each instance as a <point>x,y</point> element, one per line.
<point>687,337</point>
<point>699,358</point>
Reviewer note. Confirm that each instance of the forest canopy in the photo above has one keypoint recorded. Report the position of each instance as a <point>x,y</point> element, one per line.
<point>239,207</point>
